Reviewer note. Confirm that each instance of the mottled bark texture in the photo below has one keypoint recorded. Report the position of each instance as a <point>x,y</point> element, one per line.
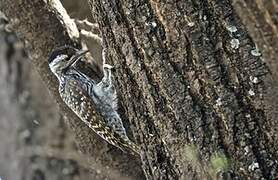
<point>261,19</point>
<point>192,84</point>
<point>42,27</point>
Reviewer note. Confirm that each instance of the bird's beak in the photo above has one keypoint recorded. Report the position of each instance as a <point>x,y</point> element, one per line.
<point>76,57</point>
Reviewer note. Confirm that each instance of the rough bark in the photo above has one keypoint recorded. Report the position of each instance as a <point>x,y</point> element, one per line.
<point>192,84</point>
<point>42,27</point>
<point>260,18</point>
<point>190,79</point>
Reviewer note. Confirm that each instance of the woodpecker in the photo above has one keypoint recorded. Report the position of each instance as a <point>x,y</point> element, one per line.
<point>95,103</point>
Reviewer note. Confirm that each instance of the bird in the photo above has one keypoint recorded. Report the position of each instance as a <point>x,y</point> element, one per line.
<point>95,103</point>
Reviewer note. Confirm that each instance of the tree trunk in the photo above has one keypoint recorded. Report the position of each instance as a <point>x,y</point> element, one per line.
<point>44,26</point>
<point>192,84</point>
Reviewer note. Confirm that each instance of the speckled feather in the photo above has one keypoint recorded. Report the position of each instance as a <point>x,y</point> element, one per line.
<point>74,94</point>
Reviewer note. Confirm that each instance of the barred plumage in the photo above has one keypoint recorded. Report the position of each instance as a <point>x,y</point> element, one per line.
<point>94,103</point>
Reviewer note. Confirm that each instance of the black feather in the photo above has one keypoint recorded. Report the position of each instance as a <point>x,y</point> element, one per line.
<point>68,50</point>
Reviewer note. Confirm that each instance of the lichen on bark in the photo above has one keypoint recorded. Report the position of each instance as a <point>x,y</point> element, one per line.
<point>187,77</point>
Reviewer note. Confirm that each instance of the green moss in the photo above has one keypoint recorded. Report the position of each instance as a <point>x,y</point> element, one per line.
<point>218,163</point>
<point>206,169</point>
<point>192,154</point>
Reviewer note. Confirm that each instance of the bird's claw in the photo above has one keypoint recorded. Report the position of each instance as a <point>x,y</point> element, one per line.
<point>108,66</point>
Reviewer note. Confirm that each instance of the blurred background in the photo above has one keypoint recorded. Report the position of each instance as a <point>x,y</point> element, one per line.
<point>35,143</point>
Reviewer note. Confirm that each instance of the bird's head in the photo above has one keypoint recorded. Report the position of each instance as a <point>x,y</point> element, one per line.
<point>63,57</point>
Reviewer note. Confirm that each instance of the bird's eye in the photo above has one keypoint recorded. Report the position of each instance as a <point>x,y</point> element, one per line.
<point>59,59</point>
<point>62,52</point>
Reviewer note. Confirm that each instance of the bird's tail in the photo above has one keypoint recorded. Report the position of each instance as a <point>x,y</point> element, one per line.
<point>126,145</point>
<point>133,148</point>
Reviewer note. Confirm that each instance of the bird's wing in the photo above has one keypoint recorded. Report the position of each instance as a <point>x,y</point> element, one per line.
<point>105,98</point>
<point>84,107</point>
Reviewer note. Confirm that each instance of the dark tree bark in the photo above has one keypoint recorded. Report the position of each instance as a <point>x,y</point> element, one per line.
<point>261,22</point>
<point>192,83</point>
